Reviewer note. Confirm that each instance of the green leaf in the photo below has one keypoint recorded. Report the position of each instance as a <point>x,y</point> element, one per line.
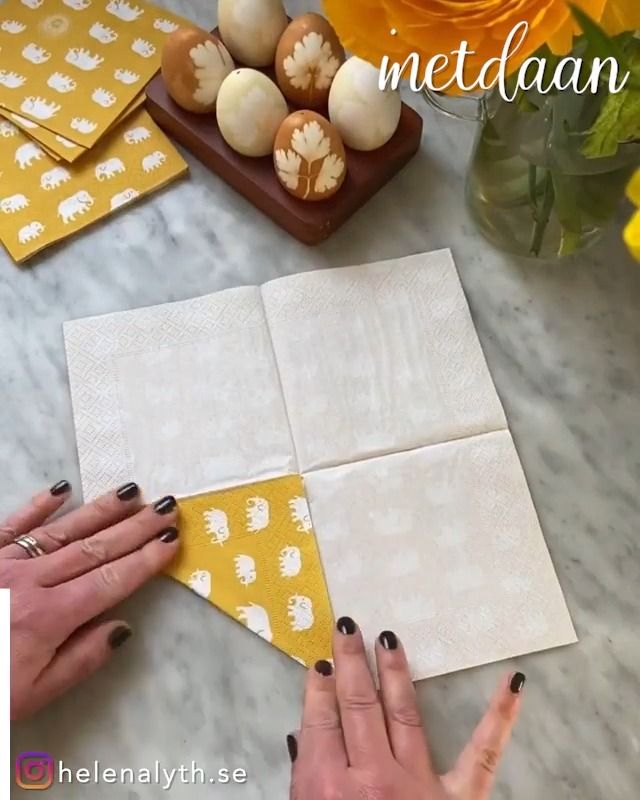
<point>600,43</point>
<point>619,119</point>
<point>569,243</point>
<point>567,207</point>
<point>618,122</point>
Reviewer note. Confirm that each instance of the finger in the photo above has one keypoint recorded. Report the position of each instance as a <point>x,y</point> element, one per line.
<point>102,513</point>
<point>475,771</point>
<point>363,723</point>
<point>292,746</point>
<point>35,513</point>
<point>78,658</point>
<point>321,734</point>
<point>295,789</point>
<point>400,706</point>
<point>106,545</point>
<point>84,598</point>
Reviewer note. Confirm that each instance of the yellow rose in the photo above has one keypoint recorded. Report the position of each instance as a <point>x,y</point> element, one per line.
<point>632,231</point>
<point>620,16</point>
<point>429,27</point>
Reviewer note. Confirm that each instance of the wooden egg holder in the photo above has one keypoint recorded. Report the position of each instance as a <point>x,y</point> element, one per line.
<point>255,178</point>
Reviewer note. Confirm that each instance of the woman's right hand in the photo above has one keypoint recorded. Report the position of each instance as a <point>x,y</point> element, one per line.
<point>85,562</point>
<point>356,744</point>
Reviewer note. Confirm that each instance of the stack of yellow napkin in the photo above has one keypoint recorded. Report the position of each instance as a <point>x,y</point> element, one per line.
<point>74,142</point>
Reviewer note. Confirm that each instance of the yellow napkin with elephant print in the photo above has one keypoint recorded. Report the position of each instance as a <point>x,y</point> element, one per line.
<point>50,142</point>
<point>252,552</point>
<point>73,66</point>
<point>55,145</point>
<point>42,201</point>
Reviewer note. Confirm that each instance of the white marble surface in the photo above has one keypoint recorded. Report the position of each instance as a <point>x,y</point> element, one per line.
<point>563,343</point>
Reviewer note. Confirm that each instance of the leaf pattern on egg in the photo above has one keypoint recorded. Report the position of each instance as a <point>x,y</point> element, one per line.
<point>312,63</point>
<point>309,144</point>
<point>211,65</point>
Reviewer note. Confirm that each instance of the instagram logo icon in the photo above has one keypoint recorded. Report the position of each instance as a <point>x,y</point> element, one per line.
<point>34,770</point>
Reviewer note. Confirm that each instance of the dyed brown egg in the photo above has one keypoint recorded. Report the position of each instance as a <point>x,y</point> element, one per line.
<point>308,56</point>
<point>194,65</point>
<point>309,156</point>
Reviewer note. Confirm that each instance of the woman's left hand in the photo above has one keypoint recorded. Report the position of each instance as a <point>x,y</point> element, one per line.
<point>83,564</point>
<point>360,744</point>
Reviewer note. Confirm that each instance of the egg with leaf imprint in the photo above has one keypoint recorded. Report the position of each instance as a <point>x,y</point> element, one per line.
<point>308,57</point>
<point>309,156</point>
<point>194,65</point>
<point>250,110</point>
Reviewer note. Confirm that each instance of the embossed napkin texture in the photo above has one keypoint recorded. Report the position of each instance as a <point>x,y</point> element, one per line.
<point>442,545</point>
<point>371,383</point>
<point>386,356</point>
<point>219,422</point>
<point>252,552</point>
<point>43,200</point>
<point>73,66</point>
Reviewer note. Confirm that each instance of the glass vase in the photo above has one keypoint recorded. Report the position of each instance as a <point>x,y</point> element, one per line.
<point>530,188</point>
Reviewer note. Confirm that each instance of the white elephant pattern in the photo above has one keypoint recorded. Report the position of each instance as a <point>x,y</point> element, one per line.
<point>78,203</point>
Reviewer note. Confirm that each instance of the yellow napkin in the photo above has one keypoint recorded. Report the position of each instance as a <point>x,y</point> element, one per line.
<point>73,66</point>
<point>57,146</point>
<point>252,552</point>
<point>42,201</point>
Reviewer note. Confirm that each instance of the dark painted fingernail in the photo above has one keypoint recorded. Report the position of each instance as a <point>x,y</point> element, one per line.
<point>119,636</point>
<point>168,535</point>
<point>517,682</point>
<point>346,626</point>
<point>62,487</point>
<point>128,491</point>
<point>389,640</point>
<point>165,505</point>
<point>292,747</point>
<point>324,668</point>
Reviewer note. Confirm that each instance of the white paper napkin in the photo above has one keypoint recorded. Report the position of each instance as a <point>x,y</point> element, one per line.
<point>183,397</point>
<point>379,358</point>
<point>371,382</point>
<point>441,545</point>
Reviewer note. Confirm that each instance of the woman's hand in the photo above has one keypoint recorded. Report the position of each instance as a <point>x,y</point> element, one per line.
<point>356,744</point>
<point>88,561</point>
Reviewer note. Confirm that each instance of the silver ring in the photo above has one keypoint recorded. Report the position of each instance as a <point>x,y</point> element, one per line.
<point>30,545</point>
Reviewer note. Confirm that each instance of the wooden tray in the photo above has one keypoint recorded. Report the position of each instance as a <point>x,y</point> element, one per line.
<point>256,180</point>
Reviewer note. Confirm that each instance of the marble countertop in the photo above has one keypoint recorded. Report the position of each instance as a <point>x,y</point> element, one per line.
<point>563,344</point>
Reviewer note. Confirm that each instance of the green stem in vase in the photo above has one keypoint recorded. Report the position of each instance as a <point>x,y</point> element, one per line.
<point>543,216</point>
<point>533,189</point>
<point>567,190</point>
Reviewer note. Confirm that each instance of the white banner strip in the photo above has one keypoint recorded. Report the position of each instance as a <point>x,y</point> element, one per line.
<point>4,694</point>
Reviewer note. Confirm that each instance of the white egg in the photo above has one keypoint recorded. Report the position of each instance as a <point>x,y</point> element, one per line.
<point>250,109</point>
<point>365,116</point>
<point>251,29</point>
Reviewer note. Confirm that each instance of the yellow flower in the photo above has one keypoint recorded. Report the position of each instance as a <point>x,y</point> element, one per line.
<point>632,235</point>
<point>633,190</point>
<point>620,16</point>
<point>632,231</point>
<point>429,27</point>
